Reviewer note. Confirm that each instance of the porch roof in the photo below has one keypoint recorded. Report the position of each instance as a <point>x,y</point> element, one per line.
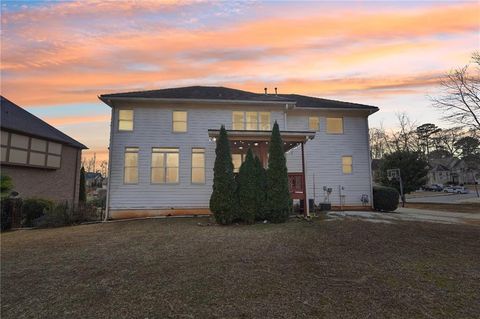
<point>264,136</point>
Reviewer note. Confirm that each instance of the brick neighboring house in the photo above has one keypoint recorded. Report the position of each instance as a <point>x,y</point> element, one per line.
<point>42,161</point>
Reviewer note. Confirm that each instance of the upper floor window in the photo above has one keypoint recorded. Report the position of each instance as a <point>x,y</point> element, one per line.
<point>179,121</point>
<point>251,120</point>
<point>198,165</point>
<point>25,150</point>
<point>313,123</point>
<point>165,162</point>
<point>347,163</point>
<point>130,175</point>
<point>335,125</point>
<point>125,120</point>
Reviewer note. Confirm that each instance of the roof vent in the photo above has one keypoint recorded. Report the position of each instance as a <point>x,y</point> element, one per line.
<point>275,91</point>
<point>265,91</point>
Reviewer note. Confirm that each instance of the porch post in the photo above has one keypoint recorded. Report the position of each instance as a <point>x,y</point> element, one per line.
<point>306,209</point>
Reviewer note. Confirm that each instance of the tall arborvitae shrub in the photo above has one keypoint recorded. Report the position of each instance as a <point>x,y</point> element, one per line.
<point>247,187</point>
<point>82,196</point>
<point>223,200</point>
<point>278,202</point>
<point>261,185</point>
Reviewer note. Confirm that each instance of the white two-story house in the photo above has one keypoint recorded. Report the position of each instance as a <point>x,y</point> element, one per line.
<point>162,147</point>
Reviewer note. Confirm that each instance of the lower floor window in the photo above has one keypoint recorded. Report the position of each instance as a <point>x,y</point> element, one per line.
<point>237,160</point>
<point>165,163</point>
<point>130,175</point>
<point>347,164</point>
<point>198,165</point>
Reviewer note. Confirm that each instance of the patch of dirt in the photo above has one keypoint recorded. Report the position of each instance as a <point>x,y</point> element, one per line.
<point>172,268</point>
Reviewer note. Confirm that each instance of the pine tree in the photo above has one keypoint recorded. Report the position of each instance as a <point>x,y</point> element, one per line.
<point>247,185</point>
<point>223,200</point>
<point>82,196</point>
<point>277,196</point>
<point>261,185</point>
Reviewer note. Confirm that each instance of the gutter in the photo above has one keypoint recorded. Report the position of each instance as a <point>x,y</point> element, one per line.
<point>107,201</point>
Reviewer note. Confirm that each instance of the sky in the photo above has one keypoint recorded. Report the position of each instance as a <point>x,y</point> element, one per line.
<point>58,56</point>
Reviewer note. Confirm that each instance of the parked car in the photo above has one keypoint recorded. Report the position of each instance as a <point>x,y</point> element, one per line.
<point>434,188</point>
<point>456,190</point>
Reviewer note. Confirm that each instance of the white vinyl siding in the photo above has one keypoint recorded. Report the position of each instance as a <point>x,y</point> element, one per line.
<point>153,128</point>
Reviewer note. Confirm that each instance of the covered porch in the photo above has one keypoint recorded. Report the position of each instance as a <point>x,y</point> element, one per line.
<point>242,140</point>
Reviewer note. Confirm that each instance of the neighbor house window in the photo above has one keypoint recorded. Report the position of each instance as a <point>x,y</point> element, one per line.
<point>313,123</point>
<point>22,149</point>
<point>347,164</point>
<point>125,120</point>
<point>164,165</point>
<point>335,125</point>
<point>198,165</point>
<point>130,175</point>
<point>251,121</point>
<point>179,121</point>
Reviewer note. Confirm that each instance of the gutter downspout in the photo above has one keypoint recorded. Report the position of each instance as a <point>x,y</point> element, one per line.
<point>75,179</point>
<point>369,163</point>
<point>107,201</point>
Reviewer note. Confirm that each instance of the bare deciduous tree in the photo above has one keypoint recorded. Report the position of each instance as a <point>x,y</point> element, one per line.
<point>460,101</point>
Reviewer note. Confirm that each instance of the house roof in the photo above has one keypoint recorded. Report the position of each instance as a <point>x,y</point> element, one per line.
<point>15,118</point>
<point>223,93</point>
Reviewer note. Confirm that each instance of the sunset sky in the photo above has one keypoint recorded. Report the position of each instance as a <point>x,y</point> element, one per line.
<point>57,57</point>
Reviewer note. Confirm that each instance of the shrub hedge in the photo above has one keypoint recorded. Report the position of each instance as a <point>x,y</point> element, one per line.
<point>385,199</point>
<point>34,208</point>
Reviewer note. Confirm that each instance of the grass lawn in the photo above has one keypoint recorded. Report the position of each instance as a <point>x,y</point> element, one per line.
<point>173,268</point>
<point>454,207</point>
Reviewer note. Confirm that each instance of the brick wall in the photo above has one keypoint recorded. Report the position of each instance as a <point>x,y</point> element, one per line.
<point>54,184</point>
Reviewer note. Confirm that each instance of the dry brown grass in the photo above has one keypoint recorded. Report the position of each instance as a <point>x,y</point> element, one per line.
<point>455,208</point>
<point>173,268</point>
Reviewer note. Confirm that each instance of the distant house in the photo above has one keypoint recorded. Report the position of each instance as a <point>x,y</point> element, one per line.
<point>451,170</point>
<point>42,161</point>
<point>93,179</point>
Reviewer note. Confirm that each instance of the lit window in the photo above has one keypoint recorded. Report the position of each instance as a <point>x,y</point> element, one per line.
<point>335,125</point>
<point>164,165</point>
<point>125,120</point>
<point>264,121</point>
<point>179,121</point>
<point>237,160</point>
<point>252,121</point>
<point>131,165</point>
<point>313,123</point>
<point>198,165</point>
<point>238,121</point>
<point>347,164</point>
